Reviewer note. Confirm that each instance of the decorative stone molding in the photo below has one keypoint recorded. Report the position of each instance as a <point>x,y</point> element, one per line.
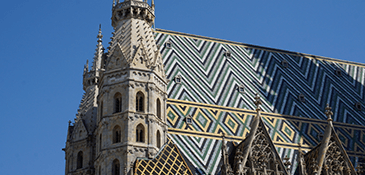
<point>131,118</point>
<point>131,85</point>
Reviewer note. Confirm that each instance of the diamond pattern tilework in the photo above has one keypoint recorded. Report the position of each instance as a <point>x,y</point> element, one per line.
<point>202,145</point>
<point>167,162</point>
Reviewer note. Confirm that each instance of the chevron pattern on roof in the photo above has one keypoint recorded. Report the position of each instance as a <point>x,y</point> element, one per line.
<point>299,90</point>
<point>208,76</point>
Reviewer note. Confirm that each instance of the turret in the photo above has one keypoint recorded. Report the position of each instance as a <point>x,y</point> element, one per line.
<point>132,99</point>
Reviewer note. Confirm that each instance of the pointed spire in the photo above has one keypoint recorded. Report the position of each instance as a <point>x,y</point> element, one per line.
<point>86,67</point>
<point>99,51</point>
<point>328,113</point>
<point>226,167</point>
<point>257,102</point>
<point>287,163</point>
<point>100,36</point>
<point>301,163</point>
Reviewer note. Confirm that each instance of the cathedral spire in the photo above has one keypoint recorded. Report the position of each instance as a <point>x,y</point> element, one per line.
<point>326,139</point>
<point>99,51</point>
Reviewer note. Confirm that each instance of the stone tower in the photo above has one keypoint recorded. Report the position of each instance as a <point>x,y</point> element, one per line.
<point>131,119</point>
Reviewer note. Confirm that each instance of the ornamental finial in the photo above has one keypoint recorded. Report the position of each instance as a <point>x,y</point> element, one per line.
<point>257,102</point>
<point>328,112</point>
<point>100,36</point>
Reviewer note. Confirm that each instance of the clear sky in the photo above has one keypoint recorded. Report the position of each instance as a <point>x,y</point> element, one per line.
<point>45,45</point>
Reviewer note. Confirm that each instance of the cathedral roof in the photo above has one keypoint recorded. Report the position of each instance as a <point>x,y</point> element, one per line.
<point>214,82</point>
<point>168,161</point>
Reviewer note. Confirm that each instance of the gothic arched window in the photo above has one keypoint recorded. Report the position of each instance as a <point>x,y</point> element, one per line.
<point>100,142</point>
<point>116,134</point>
<point>80,158</point>
<point>116,167</point>
<point>158,139</point>
<point>158,106</point>
<point>117,103</point>
<point>101,110</point>
<point>139,101</point>
<point>140,133</point>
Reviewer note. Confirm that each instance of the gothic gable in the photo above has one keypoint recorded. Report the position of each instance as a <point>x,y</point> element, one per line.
<point>328,157</point>
<point>79,130</point>
<point>334,160</point>
<point>117,59</point>
<point>147,59</point>
<point>257,153</point>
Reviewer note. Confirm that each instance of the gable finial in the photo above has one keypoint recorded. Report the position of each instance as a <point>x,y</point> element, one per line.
<point>328,112</point>
<point>257,102</point>
<point>100,36</point>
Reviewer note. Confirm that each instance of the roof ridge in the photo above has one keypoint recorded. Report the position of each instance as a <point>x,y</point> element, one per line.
<point>262,47</point>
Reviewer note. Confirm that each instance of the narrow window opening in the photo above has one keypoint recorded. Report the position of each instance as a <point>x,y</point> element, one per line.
<point>116,134</point>
<point>139,102</point>
<point>140,133</point>
<point>100,143</point>
<point>158,139</point>
<point>117,103</point>
<point>116,167</point>
<point>158,106</point>
<point>79,160</point>
<point>101,110</point>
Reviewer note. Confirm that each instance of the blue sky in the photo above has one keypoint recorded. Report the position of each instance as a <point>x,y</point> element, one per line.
<point>46,43</point>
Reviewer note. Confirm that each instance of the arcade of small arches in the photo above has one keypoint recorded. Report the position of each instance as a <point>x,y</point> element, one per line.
<point>140,135</point>
<point>140,107</point>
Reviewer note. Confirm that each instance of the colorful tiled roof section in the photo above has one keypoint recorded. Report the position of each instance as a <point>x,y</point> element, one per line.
<point>217,82</point>
<point>212,76</point>
<point>169,161</point>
